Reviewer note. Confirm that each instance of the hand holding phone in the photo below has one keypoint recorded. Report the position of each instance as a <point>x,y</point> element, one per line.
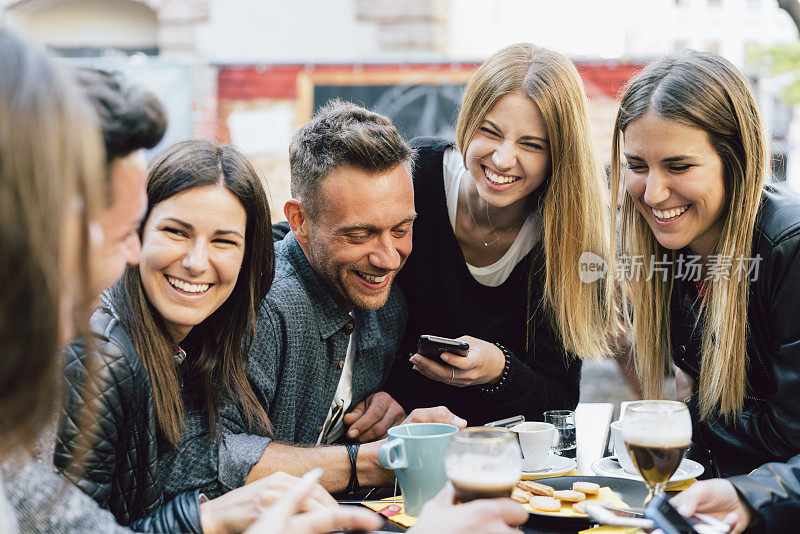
<point>433,346</point>
<point>670,521</point>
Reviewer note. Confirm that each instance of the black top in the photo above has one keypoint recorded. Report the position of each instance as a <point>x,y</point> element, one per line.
<point>115,461</point>
<point>768,429</point>
<point>445,300</point>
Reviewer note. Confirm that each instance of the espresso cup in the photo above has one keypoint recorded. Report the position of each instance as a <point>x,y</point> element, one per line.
<point>620,450</point>
<point>416,453</point>
<point>535,442</point>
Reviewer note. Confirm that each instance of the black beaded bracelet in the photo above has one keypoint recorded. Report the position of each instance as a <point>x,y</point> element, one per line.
<point>496,387</point>
<point>352,452</point>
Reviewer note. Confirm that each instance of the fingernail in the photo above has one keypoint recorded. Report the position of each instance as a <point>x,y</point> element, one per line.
<point>684,510</point>
<point>353,433</point>
<point>460,422</point>
<point>314,474</point>
<point>413,358</point>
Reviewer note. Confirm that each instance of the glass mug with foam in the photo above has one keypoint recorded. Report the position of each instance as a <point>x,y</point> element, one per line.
<point>483,463</point>
<point>416,453</point>
<point>535,442</point>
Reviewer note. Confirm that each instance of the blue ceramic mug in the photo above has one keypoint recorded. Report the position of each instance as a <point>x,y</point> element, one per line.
<point>416,453</point>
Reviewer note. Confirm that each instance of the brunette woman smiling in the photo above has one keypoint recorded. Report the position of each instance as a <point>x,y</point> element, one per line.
<point>172,338</point>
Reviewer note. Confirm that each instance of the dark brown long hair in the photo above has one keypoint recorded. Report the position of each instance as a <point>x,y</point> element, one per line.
<point>215,366</point>
<point>51,181</point>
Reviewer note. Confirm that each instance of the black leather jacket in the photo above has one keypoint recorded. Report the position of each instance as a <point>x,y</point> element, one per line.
<point>115,460</point>
<point>768,429</point>
<point>773,493</point>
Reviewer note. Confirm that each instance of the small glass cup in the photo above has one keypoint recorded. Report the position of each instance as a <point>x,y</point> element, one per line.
<point>565,443</point>
<point>483,463</point>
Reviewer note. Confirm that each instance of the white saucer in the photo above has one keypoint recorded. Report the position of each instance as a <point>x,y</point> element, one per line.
<point>610,467</point>
<point>556,465</point>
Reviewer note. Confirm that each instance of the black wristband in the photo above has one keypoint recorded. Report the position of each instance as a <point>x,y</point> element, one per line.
<point>496,387</point>
<point>352,451</point>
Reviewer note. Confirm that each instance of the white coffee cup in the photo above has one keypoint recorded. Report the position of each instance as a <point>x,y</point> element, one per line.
<point>535,441</point>
<point>620,450</point>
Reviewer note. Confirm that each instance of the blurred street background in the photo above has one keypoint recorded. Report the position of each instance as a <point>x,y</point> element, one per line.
<point>250,72</point>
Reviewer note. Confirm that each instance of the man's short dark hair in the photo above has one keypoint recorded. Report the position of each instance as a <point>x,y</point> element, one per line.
<point>130,117</point>
<point>342,134</point>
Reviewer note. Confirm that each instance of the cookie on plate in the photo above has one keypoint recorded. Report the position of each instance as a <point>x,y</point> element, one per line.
<point>520,496</point>
<point>545,504</point>
<point>569,495</point>
<point>536,488</point>
<point>589,488</point>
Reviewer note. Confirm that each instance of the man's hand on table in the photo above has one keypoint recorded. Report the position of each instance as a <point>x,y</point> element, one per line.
<point>437,414</point>
<point>372,417</point>
<point>370,471</point>
<point>716,497</point>
<point>495,516</point>
<point>375,415</point>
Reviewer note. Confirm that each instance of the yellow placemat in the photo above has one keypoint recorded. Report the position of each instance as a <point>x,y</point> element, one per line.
<point>392,508</point>
<point>573,473</point>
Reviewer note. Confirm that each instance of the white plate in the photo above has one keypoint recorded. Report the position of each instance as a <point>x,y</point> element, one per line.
<point>610,467</point>
<point>556,465</point>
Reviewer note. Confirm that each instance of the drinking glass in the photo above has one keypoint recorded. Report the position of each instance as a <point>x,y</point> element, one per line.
<point>483,463</point>
<point>656,434</point>
<point>564,421</point>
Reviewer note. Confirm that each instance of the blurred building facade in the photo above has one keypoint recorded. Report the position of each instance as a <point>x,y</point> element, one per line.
<point>252,71</point>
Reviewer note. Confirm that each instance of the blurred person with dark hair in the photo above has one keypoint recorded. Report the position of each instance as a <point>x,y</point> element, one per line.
<point>131,119</point>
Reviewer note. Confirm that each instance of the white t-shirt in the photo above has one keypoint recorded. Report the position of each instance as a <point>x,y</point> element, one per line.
<point>531,232</point>
<point>343,396</point>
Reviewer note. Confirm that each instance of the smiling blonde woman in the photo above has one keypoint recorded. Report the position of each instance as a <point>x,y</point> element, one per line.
<point>724,301</point>
<point>504,217</point>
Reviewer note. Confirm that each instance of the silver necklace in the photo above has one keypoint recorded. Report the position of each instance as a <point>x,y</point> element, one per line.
<point>489,219</point>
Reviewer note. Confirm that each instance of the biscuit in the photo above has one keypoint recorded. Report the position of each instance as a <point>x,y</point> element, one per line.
<point>546,504</point>
<point>589,488</point>
<point>536,488</point>
<point>520,496</point>
<point>569,495</point>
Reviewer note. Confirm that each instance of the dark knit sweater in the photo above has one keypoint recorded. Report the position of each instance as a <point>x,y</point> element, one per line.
<point>444,299</point>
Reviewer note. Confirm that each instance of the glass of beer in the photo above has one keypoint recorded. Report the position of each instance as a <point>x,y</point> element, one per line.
<point>656,434</point>
<point>483,463</point>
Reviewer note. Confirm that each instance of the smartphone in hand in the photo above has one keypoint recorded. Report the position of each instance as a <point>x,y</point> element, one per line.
<point>667,518</point>
<point>433,346</point>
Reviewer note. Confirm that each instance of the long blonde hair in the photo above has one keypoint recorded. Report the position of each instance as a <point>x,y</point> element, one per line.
<point>575,206</point>
<point>705,91</point>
